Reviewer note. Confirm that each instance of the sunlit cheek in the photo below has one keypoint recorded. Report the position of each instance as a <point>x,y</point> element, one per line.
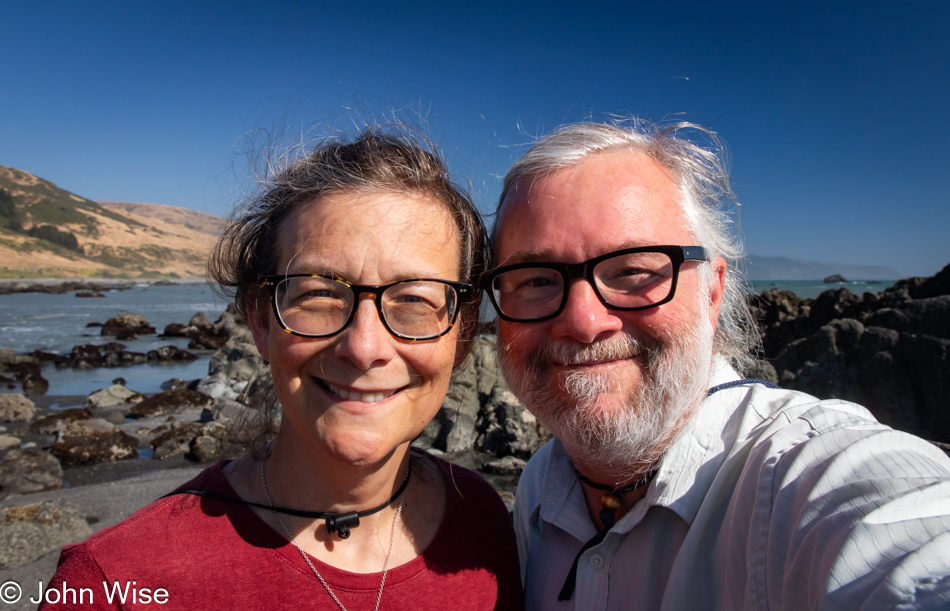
<point>516,339</point>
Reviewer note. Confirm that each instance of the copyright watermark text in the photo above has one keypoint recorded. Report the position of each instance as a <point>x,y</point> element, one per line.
<point>122,592</point>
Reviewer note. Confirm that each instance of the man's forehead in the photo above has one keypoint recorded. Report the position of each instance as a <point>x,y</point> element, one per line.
<point>607,202</point>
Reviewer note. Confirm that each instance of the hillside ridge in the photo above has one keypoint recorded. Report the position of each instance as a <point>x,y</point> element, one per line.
<point>49,232</point>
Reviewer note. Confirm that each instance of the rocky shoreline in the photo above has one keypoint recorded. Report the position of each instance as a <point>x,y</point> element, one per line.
<point>889,352</point>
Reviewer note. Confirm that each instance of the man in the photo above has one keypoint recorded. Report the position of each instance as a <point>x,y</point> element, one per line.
<point>673,483</point>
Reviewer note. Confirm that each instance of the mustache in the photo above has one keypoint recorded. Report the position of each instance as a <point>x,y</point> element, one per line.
<point>570,352</point>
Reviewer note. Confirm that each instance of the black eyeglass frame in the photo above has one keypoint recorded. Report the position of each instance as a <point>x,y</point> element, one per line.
<point>465,293</point>
<point>570,271</point>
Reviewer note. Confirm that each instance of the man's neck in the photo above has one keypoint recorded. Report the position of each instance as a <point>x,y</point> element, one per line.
<point>594,499</point>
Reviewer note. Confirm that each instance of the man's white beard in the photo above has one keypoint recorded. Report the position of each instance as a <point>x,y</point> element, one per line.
<point>619,443</point>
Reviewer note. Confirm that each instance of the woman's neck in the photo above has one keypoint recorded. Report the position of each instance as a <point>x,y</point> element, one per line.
<point>301,478</point>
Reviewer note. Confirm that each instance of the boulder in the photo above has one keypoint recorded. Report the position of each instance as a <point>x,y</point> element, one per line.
<point>200,321</point>
<point>8,441</point>
<point>175,384</point>
<point>171,402</point>
<point>170,353</point>
<point>506,428</point>
<point>835,279</point>
<point>28,532</point>
<point>58,421</point>
<point>16,408</point>
<point>112,396</point>
<point>76,447</point>
<point>29,470</point>
<point>508,465</point>
<point>232,368</point>
<point>127,326</point>
<point>176,441</point>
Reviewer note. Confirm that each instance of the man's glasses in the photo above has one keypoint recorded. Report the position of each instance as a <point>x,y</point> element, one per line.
<point>628,279</point>
<point>312,305</point>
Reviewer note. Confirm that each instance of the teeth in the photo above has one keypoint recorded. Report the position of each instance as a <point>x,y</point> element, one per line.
<point>371,397</point>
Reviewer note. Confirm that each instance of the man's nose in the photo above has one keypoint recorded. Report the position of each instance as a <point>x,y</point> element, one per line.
<point>584,317</point>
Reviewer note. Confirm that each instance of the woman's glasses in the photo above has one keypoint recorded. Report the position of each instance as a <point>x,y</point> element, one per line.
<point>313,305</point>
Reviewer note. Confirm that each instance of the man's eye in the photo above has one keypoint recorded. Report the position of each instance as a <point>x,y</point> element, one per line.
<point>633,271</point>
<point>536,283</point>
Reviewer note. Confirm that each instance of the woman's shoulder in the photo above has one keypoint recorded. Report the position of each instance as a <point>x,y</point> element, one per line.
<point>162,517</point>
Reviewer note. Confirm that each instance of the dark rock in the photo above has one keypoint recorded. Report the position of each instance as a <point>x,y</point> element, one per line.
<point>888,352</point>
<point>95,447</point>
<point>509,465</point>
<point>927,360</point>
<point>835,278</point>
<point>929,316</point>
<point>830,305</point>
<point>924,288</point>
<point>506,428</point>
<point>56,422</point>
<point>170,403</point>
<point>29,532</point>
<point>127,326</point>
<point>89,294</point>
<point>44,357</point>
<point>205,448</point>
<point>170,353</point>
<point>177,330</point>
<point>206,341</point>
<point>29,470</point>
<point>175,384</point>
<point>176,441</point>
<point>200,321</point>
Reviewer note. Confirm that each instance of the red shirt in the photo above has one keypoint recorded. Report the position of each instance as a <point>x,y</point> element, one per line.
<point>189,552</point>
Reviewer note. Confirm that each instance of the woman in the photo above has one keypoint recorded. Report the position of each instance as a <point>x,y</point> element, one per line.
<point>354,269</point>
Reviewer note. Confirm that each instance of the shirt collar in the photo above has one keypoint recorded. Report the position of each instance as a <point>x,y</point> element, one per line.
<point>680,484</point>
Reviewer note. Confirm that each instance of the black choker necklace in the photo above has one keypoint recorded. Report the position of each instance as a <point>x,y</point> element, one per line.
<point>340,523</point>
<point>336,522</point>
<point>612,500</point>
<point>611,503</point>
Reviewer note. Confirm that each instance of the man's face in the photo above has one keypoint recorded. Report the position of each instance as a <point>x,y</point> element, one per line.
<point>591,374</point>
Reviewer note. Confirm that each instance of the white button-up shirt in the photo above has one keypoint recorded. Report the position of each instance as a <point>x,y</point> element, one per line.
<point>770,499</point>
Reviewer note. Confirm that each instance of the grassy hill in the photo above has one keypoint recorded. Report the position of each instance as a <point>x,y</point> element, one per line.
<point>46,231</point>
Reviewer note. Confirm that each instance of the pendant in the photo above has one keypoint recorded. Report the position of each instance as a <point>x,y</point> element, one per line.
<point>611,501</point>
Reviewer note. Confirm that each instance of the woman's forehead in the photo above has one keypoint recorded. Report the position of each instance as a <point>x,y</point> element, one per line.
<point>393,233</point>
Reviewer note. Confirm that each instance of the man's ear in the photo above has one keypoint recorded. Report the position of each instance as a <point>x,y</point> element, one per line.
<point>259,320</point>
<point>717,288</point>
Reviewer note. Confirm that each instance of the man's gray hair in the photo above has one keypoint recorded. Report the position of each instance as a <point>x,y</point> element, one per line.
<point>698,166</point>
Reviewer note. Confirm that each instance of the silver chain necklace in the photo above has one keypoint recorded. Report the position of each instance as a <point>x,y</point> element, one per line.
<point>303,554</point>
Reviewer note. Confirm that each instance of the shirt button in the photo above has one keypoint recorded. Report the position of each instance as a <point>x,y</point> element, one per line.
<point>597,561</point>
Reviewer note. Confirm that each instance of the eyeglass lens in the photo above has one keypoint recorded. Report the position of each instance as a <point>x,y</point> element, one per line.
<point>631,280</point>
<point>321,306</point>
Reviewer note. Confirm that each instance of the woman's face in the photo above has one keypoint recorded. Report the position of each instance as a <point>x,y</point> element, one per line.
<point>362,393</point>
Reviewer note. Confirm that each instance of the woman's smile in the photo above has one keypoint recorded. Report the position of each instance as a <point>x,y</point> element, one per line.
<point>363,396</point>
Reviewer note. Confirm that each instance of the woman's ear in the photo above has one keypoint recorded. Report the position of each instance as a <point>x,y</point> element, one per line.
<point>259,321</point>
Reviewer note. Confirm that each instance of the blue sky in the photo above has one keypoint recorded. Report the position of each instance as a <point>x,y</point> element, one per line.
<point>836,114</point>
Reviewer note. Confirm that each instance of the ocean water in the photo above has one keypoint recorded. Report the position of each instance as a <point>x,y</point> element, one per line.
<point>809,289</point>
<point>56,323</point>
